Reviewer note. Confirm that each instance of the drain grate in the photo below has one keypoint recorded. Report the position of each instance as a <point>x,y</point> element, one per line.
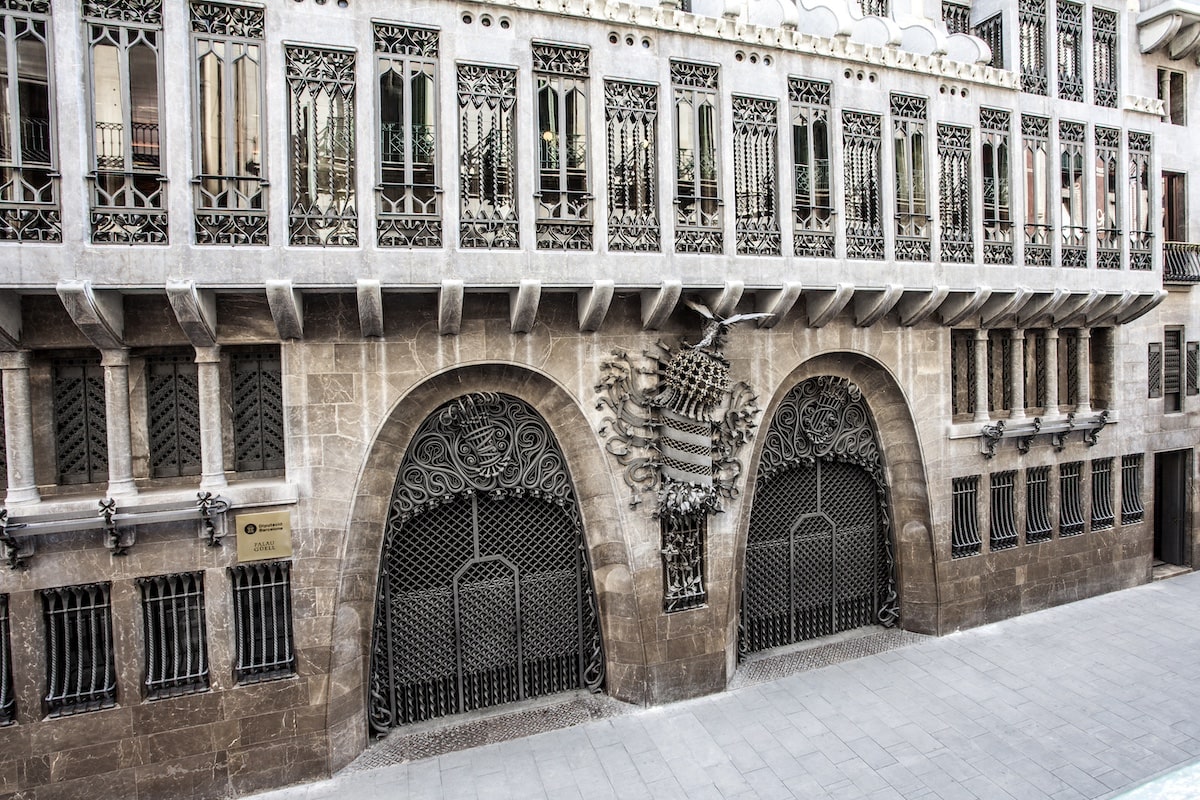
<point>765,667</point>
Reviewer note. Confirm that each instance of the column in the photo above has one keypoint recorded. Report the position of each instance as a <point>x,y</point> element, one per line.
<point>1083,371</point>
<point>981,376</point>
<point>18,429</point>
<point>116,412</point>
<point>1051,371</point>
<point>1017,369</point>
<point>212,455</point>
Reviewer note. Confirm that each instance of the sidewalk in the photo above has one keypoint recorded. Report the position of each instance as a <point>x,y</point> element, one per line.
<point>1086,700</point>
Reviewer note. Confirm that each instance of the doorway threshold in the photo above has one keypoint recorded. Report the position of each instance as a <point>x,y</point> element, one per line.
<point>779,662</point>
<point>1161,570</point>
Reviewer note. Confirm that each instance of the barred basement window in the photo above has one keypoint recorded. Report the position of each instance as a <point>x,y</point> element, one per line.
<point>231,188</point>
<point>258,410</point>
<point>1072,200</point>
<point>1031,16</point>
<point>323,204</point>
<point>1035,136</point>
<point>1108,171</point>
<point>1070,50</point>
<point>1037,505</point>
<point>173,405</point>
<point>1102,506</point>
<point>1004,511</point>
<point>1154,359</point>
<point>29,204</point>
<point>8,700</point>
<point>174,634</point>
<point>1172,385</point>
<point>683,562</point>
<point>1106,86</point>
<point>957,16</point>
<point>564,199</point>
<point>697,171</point>
<point>997,175</point>
<point>631,117</point>
<point>954,157</point>
<point>1070,491</point>
<point>408,198</point>
<point>1193,373</point>
<point>79,649</point>
<point>861,134</point>
<point>128,182</point>
<point>262,614</point>
<point>80,428</point>
<point>1141,236</point>
<point>964,532</point>
<point>1132,510</point>
<point>999,361</point>
<point>811,179</point>
<point>912,178</point>
<point>962,372</point>
<point>487,98</point>
<point>991,30</point>
<point>755,170</point>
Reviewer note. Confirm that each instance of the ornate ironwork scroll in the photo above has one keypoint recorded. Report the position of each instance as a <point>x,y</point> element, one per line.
<point>811,178</point>
<point>487,97</point>
<point>954,159</point>
<point>143,12</point>
<point>485,590</point>
<point>225,19</point>
<point>755,176</point>
<point>864,216</point>
<point>631,119</point>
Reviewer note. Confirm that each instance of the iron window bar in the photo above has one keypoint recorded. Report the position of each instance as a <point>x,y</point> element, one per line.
<point>964,535</point>
<point>1070,513</point>
<point>1057,431</point>
<point>1003,511</point>
<point>1102,506</point>
<point>1132,509</point>
<point>8,700</point>
<point>176,645</point>
<point>262,600</point>
<point>1038,527</point>
<point>80,675</point>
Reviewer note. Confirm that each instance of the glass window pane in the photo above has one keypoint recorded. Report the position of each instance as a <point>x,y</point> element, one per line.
<point>247,99</point>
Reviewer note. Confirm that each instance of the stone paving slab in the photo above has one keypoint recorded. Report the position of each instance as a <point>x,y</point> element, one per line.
<point>1087,700</point>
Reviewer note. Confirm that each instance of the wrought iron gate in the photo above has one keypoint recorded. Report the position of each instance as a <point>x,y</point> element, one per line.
<point>818,553</point>
<point>485,592</point>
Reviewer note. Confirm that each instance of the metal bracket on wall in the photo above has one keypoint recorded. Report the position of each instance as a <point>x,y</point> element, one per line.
<point>1057,430</point>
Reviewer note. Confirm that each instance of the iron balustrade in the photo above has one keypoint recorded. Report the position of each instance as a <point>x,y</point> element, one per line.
<point>1181,262</point>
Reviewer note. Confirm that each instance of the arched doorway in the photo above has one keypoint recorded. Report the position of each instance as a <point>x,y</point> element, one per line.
<point>485,594</point>
<point>818,550</point>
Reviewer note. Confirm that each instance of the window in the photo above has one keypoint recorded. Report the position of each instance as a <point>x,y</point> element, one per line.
<point>964,532</point>
<point>1031,16</point>
<point>962,372</point>
<point>1173,92</point>
<point>1004,512</point>
<point>861,134</point>
<point>811,180</point>
<point>174,634</point>
<point>957,16</point>
<point>954,158</point>
<point>683,561</point>
<point>1172,380</point>
<point>257,410</point>
<point>1037,505</point>
<point>1070,50</point>
<point>8,700</point>
<point>1132,510</point>
<point>1072,201</point>
<point>321,104</point>
<point>697,172</point>
<point>912,178</point>
<point>1141,237</point>
<point>1102,505</point>
<point>564,200</point>
<point>173,408</point>
<point>29,208</point>
<point>1154,363</point>
<point>487,97</point>
<point>631,119</point>
<point>1068,367</point>
<point>1107,173</point>
<point>80,428</point>
<point>991,30</point>
<point>1175,207</point>
<point>1035,369</point>
<point>1100,366</point>
<point>1070,516</point>
<point>1035,133</point>
<point>127,179</point>
<point>1193,369</point>
<point>1104,58</point>
<point>997,174</point>
<point>79,649</point>
<point>876,8</point>
<point>409,195</point>
<point>262,614</point>
<point>755,165</point>
<point>999,360</point>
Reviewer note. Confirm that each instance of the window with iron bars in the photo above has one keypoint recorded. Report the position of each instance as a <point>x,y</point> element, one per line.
<point>1132,510</point>
<point>954,159</point>
<point>1072,195</point>
<point>1035,369</point>
<point>1108,181</point>
<point>1035,133</point>
<point>3,446</point>
<point>564,198</point>
<point>912,177</point>
<point>1106,86</point>
<point>957,16</point>
<point>1102,484</point>
<point>173,415</point>
<point>631,119</point>
<point>1038,527</point>
<point>997,176</point>
<point>1031,17</point>
<point>1070,50</point>
<point>962,372</point>
<point>861,152</point>
<point>1069,353</point>
<point>262,612</point>
<point>80,422</point>
<point>1172,372</point>
<point>991,30</point>
<point>1004,511</point>
<point>683,561</point>
<point>812,179</point>
<point>1141,236</point>
<point>487,98</point>
<point>1070,494</point>
<point>257,393</point>
<point>1101,359</point>
<point>999,377</point>
<point>80,675</point>
<point>964,531</point>
<point>698,199</point>
<point>1154,363</point>
<point>1193,375</point>
<point>8,700</point>
<point>755,171</point>
<point>174,634</point>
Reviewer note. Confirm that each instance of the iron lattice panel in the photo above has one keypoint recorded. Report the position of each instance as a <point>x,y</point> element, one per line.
<point>755,174</point>
<point>258,411</point>
<point>262,606</point>
<point>954,159</point>
<point>1070,50</point>
<point>80,427</point>
<point>1105,69</point>
<point>8,700</point>
<point>80,675</point>
<point>991,30</point>
<point>3,445</point>
<point>1031,17</point>
<point>174,634</point>
<point>173,406</point>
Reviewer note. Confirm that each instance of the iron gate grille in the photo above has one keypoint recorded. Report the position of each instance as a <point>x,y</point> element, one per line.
<point>485,594</point>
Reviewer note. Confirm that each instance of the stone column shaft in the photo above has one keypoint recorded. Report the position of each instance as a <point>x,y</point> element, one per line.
<point>212,454</point>
<point>18,429</point>
<point>1083,371</point>
<point>1051,371</point>
<point>116,412</point>
<point>1017,368</point>
<point>981,376</point>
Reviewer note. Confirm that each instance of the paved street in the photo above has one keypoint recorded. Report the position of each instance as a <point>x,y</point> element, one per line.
<point>1086,700</point>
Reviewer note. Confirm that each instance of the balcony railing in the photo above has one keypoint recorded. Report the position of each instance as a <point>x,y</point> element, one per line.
<point>1181,262</point>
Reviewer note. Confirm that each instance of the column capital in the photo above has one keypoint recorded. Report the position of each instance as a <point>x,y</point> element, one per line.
<point>117,357</point>
<point>15,359</point>
<point>208,355</point>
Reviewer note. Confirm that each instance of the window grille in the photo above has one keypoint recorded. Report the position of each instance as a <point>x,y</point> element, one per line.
<point>1068,366</point>
<point>3,445</point>
<point>1154,359</point>
<point>861,134</point>
<point>962,371</point>
<point>912,177</point>
<point>1072,196</point>
<point>1102,505</point>
<point>564,199</point>
<point>1037,505</point>
<point>811,180</point>
<point>128,182</point>
<point>631,118</point>
<point>876,8</point>
<point>230,189</point>
<point>964,534</point>
<point>755,171</point>
<point>29,202</point>
<point>174,634</point>
<point>1035,136</point>
<point>1070,514</point>
<point>997,209</point>
<point>408,197</point>
<point>991,30</point>
<point>79,651</point>
<point>1193,376</point>
<point>957,16</point>
<point>173,405</point>
<point>262,613</point>
<point>1035,369</point>
<point>683,549</point>
<point>322,204</point>
<point>697,169</point>
<point>1108,172</point>
<point>80,429</point>
<point>1141,237</point>
<point>1031,17</point>
<point>258,410</point>
<point>1172,381</point>
<point>1106,87</point>
<point>999,361</point>
<point>1004,511</point>
<point>1132,510</point>
<point>487,98</point>
<point>954,157</point>
<point>1070,50</point>
<point>8,700</point>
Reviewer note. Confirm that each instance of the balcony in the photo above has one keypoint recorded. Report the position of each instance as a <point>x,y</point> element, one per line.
<point>1181,262</point>
<point>1169,26</point>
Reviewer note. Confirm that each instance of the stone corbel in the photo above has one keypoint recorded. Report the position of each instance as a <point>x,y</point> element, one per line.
<point>195,311</point>
<point>1144,304</point>
<point>777,303</point>
<point>594,304</point>
<point>99,315</point>
<point>287,308</point>
<point>1041,308</point>
<point>657,306</point>
<point>450,307</point>
<point>723,302</point>
<point>523,306</point>
<point>915,306</point>
<point>961,305</point>
<point>370,308</point>
<point>1077,309</point>
<point>1002,305</point>
<point>873,305</point>
<point>825,304</point>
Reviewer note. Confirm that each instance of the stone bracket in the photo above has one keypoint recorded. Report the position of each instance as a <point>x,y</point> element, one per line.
<point>915,307</point>
<point>287,308</point>
<point>594,304</point>
<point>1056,431</point>
<point>450,307</point>
<point>1041,308</point>
<point>1143,305</point>
<point>99,315</point>
<point>777,303</point>
<point>723,302</point>
<point>962,305</point>
<point>825,304</point>
<point>658,305</point>
<point>370,308</point>
<point>195,311</point>
<point>523,305</point>
<point>873,305</point>
<point>1002,306</point>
